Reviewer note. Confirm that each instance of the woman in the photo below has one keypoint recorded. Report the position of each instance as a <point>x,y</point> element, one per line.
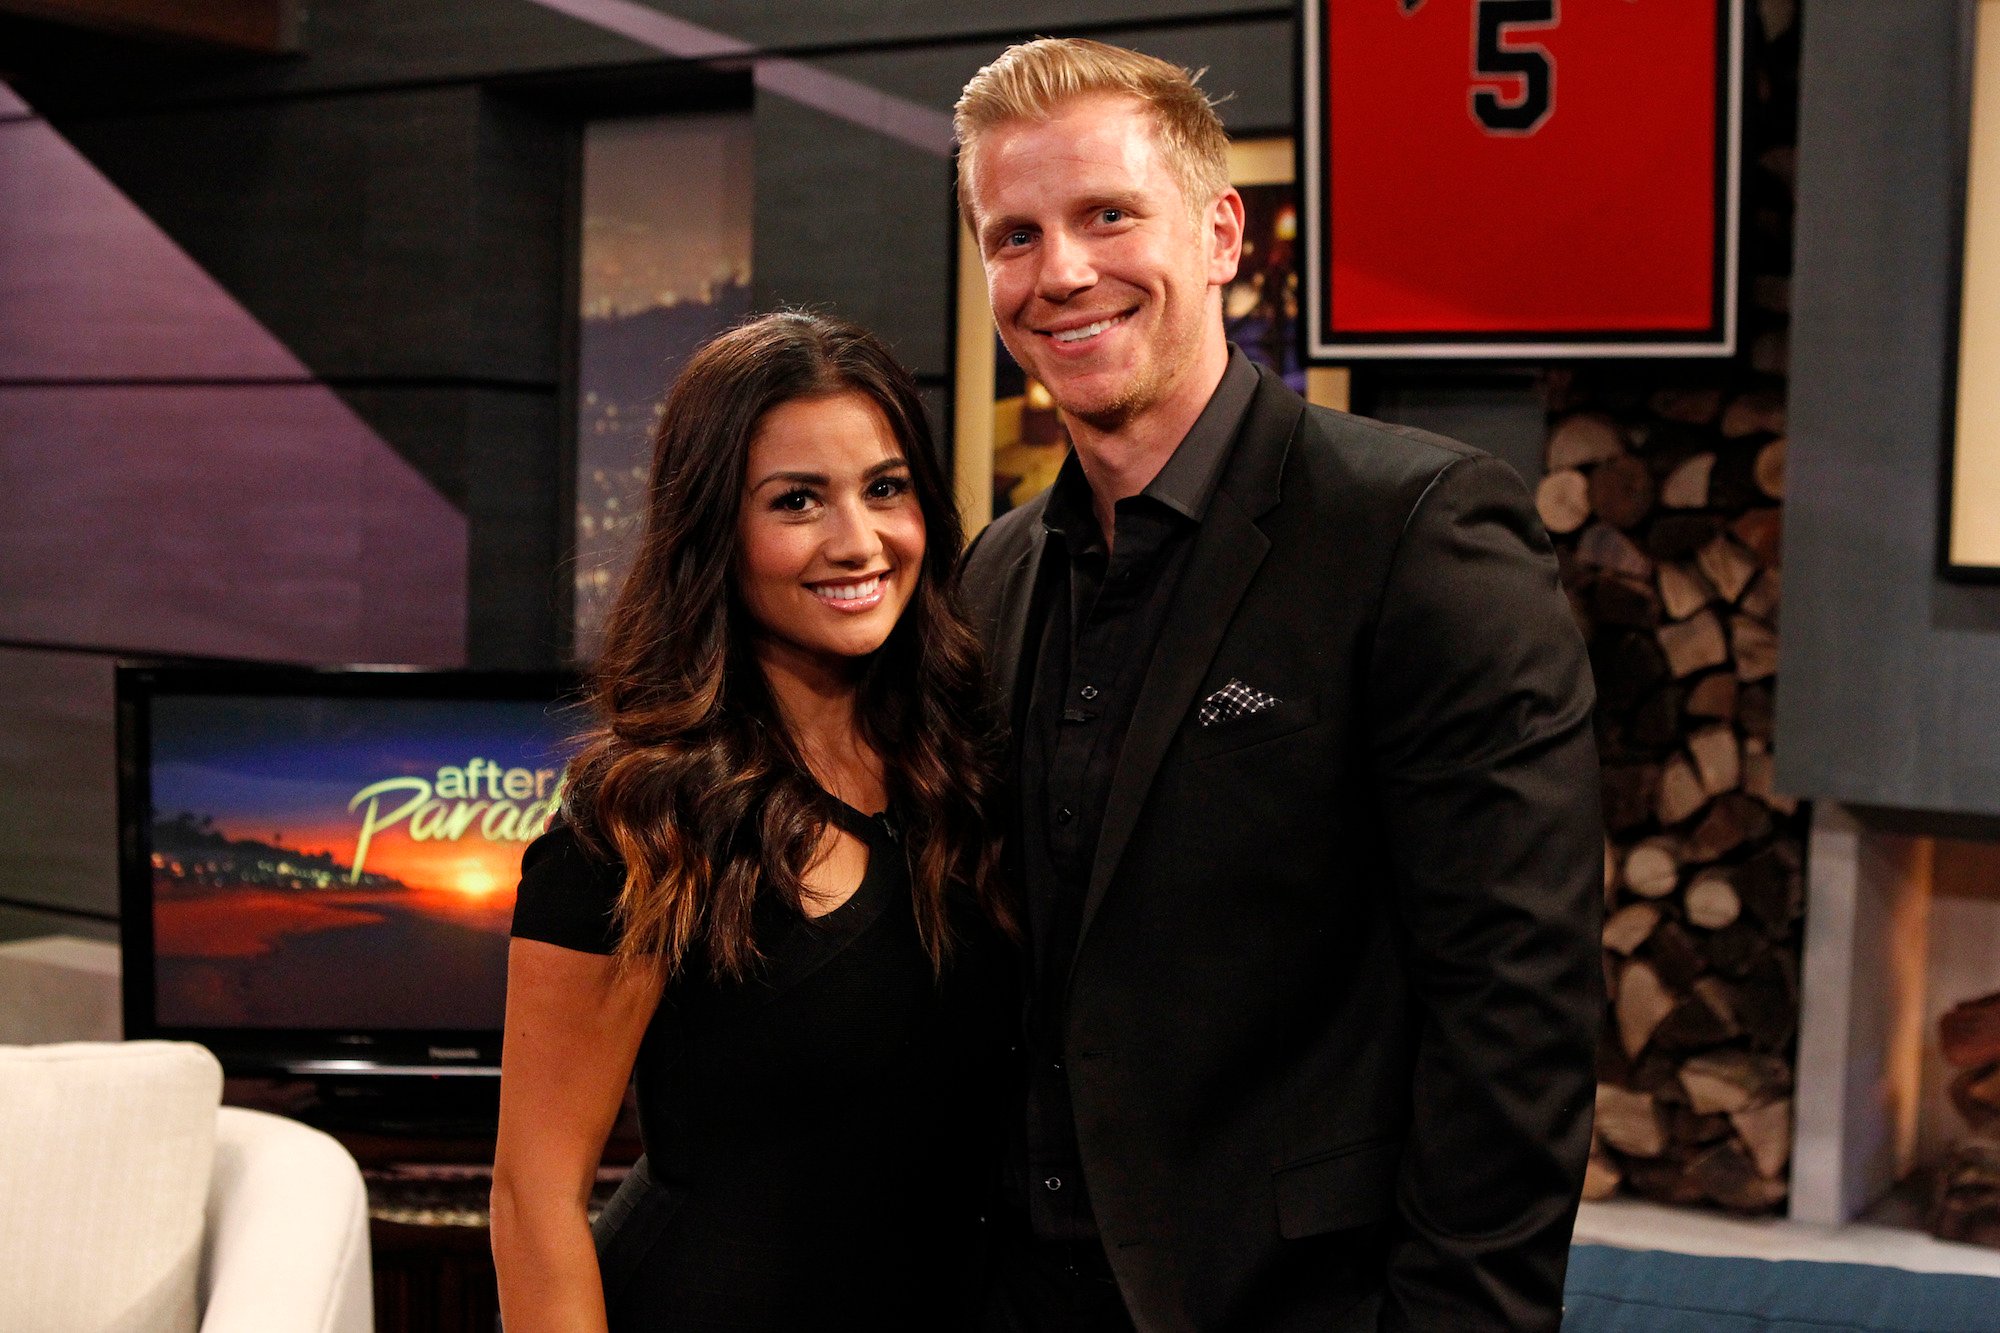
<point>771,894</point>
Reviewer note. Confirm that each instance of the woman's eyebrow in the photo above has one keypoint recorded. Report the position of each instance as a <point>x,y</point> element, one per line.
<point>795,478</point>
<point>821,478</point>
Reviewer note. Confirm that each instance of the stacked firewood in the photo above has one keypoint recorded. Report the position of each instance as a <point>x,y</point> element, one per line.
<point>1666,519</point>
<point>1966,1204</point>
<point>1663,490</point>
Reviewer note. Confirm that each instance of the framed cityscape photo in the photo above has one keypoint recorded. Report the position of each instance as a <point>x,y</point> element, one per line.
<point>1520,178</point>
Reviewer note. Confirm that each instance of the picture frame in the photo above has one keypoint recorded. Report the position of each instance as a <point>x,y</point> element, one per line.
<point>1969,526</point>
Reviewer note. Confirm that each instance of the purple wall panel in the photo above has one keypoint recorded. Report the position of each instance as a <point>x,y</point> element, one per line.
<point>171,477</point>
<point>92,288</point>
<point>241,520</point>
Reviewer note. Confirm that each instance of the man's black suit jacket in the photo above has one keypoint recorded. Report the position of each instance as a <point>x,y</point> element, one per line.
<point>1335,1006</point>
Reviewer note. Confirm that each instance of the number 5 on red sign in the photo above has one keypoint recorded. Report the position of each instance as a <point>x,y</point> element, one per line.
<point>1495,57</point>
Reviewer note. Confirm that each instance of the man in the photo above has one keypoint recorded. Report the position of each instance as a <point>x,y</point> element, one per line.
<point>1306,811</point>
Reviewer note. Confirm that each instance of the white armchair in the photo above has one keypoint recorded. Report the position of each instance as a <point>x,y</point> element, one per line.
<point>136,1203</point>
<point>286,1242</point>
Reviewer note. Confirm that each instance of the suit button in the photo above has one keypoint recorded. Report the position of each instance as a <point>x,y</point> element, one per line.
<point>1052,1184</point>
<point>1064,815</point>
<point>1088,692</point>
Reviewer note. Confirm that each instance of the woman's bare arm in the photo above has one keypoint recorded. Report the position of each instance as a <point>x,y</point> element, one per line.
<point>573,1029</point>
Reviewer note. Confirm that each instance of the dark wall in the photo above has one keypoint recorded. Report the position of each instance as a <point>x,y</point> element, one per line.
<point>384,217</point>
<point>1892,674</point>
<point>407,246</point>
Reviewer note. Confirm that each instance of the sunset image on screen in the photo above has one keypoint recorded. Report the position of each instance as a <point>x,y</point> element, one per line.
<point>342,862</point>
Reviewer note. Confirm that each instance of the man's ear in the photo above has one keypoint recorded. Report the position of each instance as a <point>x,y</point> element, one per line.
<point>1225,238</point>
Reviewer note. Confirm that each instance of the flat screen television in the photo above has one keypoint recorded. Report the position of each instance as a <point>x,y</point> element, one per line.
<point>318,866</point>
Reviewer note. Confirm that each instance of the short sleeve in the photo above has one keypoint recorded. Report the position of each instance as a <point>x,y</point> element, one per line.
<point>567,895</point>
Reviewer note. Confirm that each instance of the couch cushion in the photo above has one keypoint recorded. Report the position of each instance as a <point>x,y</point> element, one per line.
<point>105,1152</point>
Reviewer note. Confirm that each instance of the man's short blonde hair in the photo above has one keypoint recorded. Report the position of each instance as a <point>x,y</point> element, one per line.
<point>1033,80</point>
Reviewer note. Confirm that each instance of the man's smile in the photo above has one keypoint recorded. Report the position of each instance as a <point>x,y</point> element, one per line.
<point>1076,334</point>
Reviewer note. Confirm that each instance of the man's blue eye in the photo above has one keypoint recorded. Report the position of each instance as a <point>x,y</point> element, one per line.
<point>1113,215</point>
<point>1016,238</point>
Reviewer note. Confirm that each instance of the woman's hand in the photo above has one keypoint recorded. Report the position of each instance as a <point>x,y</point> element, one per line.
<point>574,1022</point>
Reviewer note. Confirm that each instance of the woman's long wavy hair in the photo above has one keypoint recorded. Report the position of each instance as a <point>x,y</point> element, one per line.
<point>688,774</point>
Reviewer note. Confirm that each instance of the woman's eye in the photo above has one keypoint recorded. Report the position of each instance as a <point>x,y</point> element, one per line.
<point>794,502</point>
<point>888,488</point>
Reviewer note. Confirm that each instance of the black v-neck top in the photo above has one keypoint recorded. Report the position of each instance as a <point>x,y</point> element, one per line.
<point>823,1133</point>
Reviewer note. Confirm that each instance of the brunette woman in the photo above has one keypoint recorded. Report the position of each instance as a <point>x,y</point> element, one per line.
<point>770,896</point>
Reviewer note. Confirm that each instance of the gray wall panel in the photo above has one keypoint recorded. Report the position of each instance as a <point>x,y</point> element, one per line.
<point>1504,413</point>
<point>25,924</point>
<point>58,799</point>
<point>1891,689</point>
<point>501,453</point>
<point>845,22</point>
<point>856,224</point>
<point>1249,64</point>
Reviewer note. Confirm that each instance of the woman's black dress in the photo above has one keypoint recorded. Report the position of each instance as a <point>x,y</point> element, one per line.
<point>819,1138</point>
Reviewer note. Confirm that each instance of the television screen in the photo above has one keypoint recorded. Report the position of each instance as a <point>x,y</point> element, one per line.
<point>332,855</point>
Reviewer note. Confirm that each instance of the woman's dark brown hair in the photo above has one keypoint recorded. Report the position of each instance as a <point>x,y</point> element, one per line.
<point>688,775</point>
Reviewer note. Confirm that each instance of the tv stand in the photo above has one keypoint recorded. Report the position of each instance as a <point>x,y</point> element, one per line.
<point>406,1106</point>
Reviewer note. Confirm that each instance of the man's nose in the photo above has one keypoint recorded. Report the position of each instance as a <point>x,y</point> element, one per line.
<point>1066,267</point>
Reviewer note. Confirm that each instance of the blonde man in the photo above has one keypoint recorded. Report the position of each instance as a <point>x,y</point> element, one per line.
<point>1306,815</point>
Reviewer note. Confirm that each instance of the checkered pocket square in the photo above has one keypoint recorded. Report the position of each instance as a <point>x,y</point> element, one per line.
<point>1232,701</point>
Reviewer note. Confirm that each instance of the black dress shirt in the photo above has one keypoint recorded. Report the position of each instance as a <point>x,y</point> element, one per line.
<point>1091,637</point>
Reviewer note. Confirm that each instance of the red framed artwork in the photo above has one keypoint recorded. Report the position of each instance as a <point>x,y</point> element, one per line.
<point>1520,178</point>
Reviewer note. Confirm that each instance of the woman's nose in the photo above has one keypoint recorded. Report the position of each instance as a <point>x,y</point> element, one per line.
<point>852,539</point>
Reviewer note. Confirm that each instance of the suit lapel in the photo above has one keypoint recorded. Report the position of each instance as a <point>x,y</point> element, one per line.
<point>1017,597</point>
<point>1228,549</point>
